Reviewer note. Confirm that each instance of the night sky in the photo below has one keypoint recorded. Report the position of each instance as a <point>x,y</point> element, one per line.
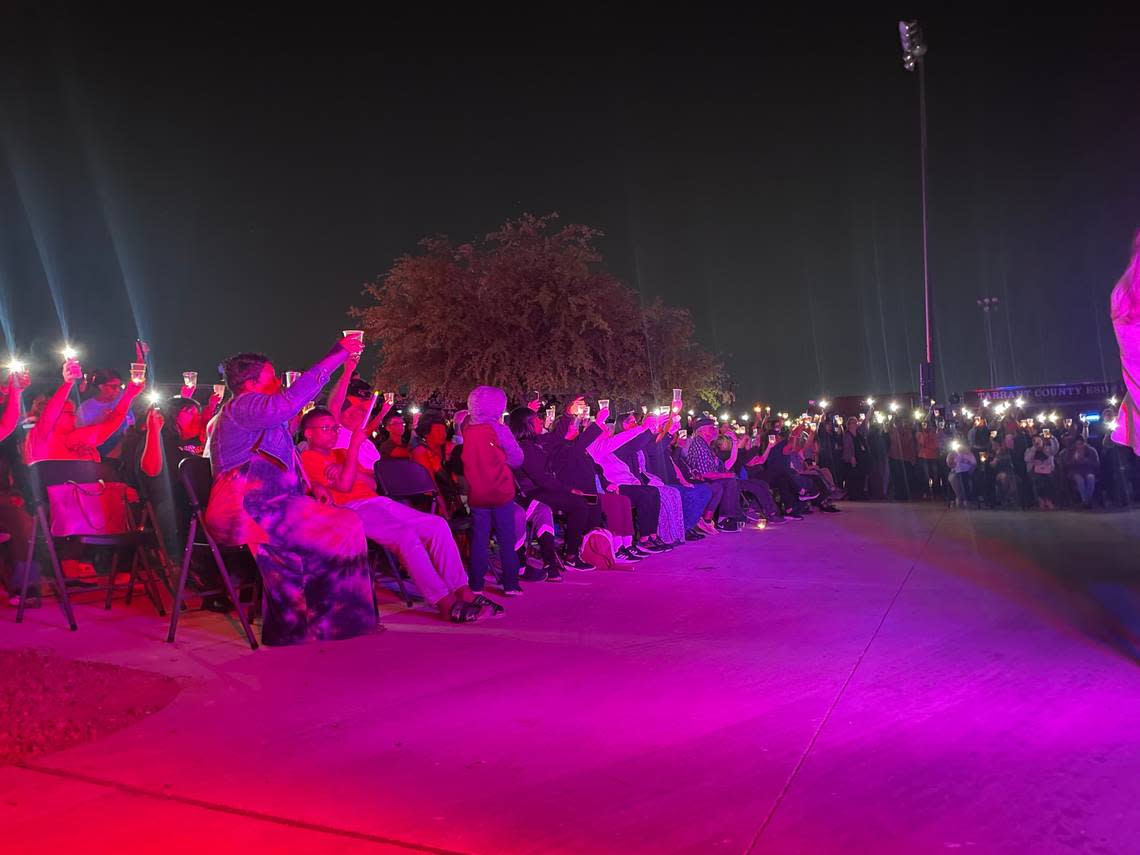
<point>226,184</point>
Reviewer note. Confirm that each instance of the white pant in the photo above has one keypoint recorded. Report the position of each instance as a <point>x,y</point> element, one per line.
<point>422,542</point>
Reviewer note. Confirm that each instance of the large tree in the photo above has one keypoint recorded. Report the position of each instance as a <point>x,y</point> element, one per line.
<point>529,307</point>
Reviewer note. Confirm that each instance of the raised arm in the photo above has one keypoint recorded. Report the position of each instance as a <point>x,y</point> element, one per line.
<point>340,388</point>
<point>17,383</point>
<point>151,462</point>
<point>256,411</point>
<point>99,433</point>
<point>45,425</point>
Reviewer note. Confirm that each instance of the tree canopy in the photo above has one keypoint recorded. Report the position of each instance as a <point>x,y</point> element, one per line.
<point>529,307</point>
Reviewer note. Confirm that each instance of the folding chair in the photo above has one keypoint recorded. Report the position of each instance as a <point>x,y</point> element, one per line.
<point>197,479</point>
<point>38,477</point>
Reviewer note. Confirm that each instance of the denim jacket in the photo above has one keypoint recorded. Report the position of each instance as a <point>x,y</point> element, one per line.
<point>253,421</point>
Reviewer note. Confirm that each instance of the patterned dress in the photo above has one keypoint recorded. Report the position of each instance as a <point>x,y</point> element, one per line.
<point>313,558</point>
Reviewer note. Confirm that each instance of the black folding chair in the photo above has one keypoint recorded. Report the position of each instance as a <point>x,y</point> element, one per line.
<point>38,477</point>
<point>197,479</point>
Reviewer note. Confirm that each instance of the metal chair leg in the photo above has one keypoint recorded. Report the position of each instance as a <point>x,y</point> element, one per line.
<point>111,582</point>
<point>57,571</point>
<point>176,610</point>
<point>228,582</point>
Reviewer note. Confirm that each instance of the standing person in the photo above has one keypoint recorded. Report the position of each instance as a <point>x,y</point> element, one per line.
<point>849,460</point>
<point>489,453</point>
<point>879,472</point>
<point>312,555</point>
<point>1125,310</point>
<point>928,456</point>
<point>961,462</point>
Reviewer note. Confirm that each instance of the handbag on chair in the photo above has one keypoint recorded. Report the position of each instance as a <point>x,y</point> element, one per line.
<point>95,508</point>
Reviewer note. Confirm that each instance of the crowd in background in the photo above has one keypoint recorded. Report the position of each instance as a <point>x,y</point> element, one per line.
<point>992,458</point>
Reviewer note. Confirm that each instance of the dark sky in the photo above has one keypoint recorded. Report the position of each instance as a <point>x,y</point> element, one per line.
<point>230,183</point>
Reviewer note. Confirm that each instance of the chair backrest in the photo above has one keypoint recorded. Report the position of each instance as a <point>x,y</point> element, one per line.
<point>403,479</point>
<point>48,473</point>
<point>197,477</point>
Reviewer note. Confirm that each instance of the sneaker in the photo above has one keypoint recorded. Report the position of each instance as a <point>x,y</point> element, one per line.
<point>707,527</point>
<point>728,525</point>
<point>752,516</point>
<point>648,547</point>
<point>660,544</point>
<point>576,563</point>
<point>513,592</point>
<point>776,521</point>
<point>534,574</point>
<point>692,535</point>
<point>808,495</point>
<point>624,556</point>
<point>829,509</point>
<point>639,551</point>
<point>553,574</point>
<point>793,516</point>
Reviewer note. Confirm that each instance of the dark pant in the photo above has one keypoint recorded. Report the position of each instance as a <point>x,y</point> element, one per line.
<point>724,497</point>
<point>761,494</point>
<point>929,474</point>
<point>502,520</point>
<point>900,479</point>
<point>778,482</point>
<point>580,516</point>
<point>646,507</point>
<point>14,520</point>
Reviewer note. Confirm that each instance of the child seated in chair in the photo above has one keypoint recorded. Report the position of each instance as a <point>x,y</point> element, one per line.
<point>423,542</point>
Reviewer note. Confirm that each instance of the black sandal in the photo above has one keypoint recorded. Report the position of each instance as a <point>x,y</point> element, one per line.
<point>480,600</point>
<point>462,612</point>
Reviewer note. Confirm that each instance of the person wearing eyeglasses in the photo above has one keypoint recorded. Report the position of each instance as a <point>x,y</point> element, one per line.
<point>422,541</point>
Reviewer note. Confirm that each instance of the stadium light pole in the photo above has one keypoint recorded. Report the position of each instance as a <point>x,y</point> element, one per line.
<point>914,54</point>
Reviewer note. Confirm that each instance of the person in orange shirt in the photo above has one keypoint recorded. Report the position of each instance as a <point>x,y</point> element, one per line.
<point>423,542</point>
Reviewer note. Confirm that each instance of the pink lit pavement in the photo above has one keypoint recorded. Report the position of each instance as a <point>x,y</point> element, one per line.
<point>897,678</point>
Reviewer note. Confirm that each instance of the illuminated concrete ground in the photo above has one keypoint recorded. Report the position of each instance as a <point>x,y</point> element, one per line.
<point>891,679</point>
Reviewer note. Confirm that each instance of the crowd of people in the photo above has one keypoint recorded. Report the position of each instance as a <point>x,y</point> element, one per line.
<point>555,489</point>
<point>990,459</point>
<point>519,496</point>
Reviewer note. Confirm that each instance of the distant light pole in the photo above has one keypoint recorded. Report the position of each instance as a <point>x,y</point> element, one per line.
<point>989,306</point>
<point>914,51</point>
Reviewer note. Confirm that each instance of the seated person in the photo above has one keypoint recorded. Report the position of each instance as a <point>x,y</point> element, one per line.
<point>1040,464</point>
<point>109,388</point>
<point>312,555</point>
<point>568,444</point>
<point>173,434</point>
<point>393,446</point>
<point>14,518</point>
<point>618,478</point>
<point>538,482</point>
<point>707,467</point>
<point>423,542</point>
<point>1081,464</point>
<point>57,434</point>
